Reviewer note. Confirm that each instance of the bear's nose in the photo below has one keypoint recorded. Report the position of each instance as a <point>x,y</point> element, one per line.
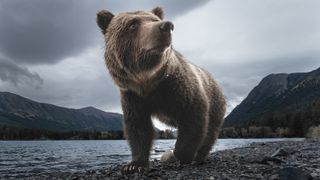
<point>166,26</point>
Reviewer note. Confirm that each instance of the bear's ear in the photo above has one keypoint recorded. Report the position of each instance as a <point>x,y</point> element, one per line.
<point>103,19</point>
<point>158,11</point>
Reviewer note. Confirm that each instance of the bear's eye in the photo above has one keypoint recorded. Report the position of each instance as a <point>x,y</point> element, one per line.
<point>133,26</point>
<point>154,20</point>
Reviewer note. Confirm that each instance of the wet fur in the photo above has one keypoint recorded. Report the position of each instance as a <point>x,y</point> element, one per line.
<point>163,85</point>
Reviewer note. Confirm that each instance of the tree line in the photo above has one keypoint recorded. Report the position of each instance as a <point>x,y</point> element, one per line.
<point>16,133</point>
<point>290,123</point>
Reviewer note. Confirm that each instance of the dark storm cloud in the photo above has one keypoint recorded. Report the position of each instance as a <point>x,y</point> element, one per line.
<point>172,8</point>
<point>16,75</point>
<point>45,32</point>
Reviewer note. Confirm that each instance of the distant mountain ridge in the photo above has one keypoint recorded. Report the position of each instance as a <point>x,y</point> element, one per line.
<point>279,94</point>
<point>18,111</point>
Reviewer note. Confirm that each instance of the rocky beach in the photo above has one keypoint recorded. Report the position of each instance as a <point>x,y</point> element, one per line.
<point>287,160</point>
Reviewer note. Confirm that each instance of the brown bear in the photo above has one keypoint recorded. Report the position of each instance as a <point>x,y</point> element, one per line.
<point>157,81</point>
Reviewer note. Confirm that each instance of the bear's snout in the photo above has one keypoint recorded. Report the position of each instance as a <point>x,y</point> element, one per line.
<point>166,26</point>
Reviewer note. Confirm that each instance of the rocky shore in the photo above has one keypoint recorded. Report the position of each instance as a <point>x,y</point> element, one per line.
<point>288,160</point>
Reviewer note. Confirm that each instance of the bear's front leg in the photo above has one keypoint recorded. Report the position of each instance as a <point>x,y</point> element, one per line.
<point>138,131</point>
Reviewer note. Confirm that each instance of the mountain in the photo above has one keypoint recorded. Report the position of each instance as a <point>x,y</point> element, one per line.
<point>280,100</point>
<point>21,112</point>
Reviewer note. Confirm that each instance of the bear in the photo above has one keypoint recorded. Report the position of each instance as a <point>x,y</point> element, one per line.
<point>155,80</point>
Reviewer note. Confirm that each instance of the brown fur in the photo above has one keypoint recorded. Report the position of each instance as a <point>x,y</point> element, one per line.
<point>155,80</point>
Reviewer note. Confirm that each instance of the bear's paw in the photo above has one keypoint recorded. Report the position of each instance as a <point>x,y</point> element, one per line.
<point>168,157</point>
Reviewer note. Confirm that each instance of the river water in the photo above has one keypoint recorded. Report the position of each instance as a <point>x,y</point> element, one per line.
<point>36,157</point>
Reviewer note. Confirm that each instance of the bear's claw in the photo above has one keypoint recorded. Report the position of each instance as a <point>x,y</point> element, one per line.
<point>133,168</point>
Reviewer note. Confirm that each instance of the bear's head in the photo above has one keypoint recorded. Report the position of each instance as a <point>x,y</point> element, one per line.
<point>138,40</point>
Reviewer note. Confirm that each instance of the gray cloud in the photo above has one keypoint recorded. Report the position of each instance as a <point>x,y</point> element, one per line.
<point>17,75</point>
<point>77,93</point>
<point>238,79</point>
<point>75,82</point>
<point>172,8</point>
<point>45,32</point>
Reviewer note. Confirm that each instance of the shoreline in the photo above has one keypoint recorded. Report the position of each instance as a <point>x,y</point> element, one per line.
<point>269,160</point>
<point>4,140</point>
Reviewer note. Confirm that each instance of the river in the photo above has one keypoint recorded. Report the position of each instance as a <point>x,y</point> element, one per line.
<point>35,157</point>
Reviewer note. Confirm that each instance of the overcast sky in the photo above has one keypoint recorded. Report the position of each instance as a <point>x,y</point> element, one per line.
<point>52,51</point>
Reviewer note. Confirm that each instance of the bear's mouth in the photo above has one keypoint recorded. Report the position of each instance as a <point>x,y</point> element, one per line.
<point>161,47</point>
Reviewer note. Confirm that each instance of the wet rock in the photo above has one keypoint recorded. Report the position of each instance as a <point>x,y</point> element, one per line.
<point>280,152</point>
<point>159,150</point>
<point>290,173</point>
<point>270,160</point>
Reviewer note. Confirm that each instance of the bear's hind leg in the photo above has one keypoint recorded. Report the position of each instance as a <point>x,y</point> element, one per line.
<point>190,137</point>
<point>215,123</point>
<point>206,146</point>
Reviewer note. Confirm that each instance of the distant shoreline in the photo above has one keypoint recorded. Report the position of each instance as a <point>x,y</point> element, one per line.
<point>18,133</point>
<point>21,134</point>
